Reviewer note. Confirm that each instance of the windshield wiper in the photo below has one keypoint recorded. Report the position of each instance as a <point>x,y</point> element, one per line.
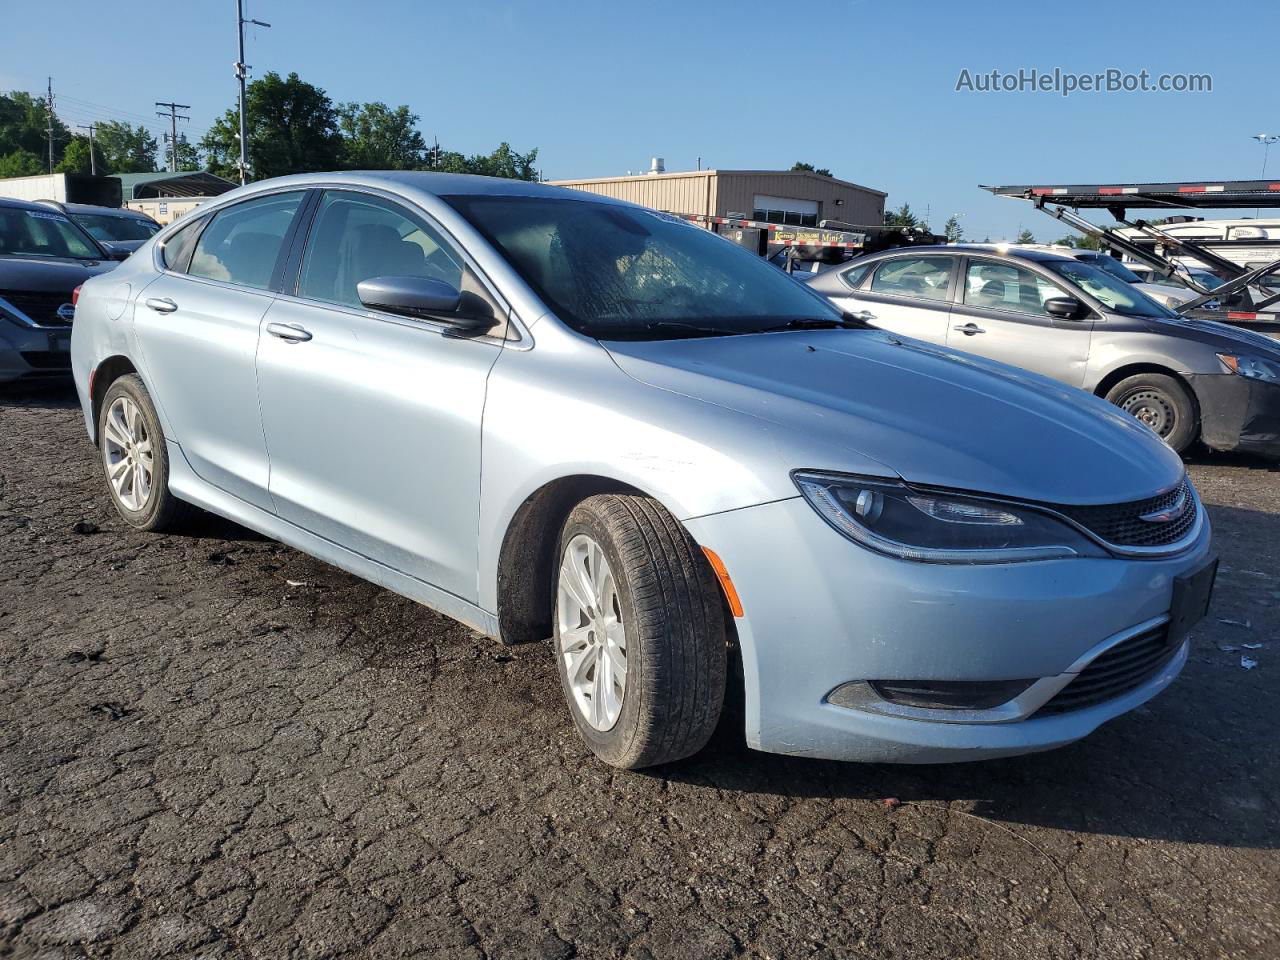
<point>846,322</point>
<point>669,328</point>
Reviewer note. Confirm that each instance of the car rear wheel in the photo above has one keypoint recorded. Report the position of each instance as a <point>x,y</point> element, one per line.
<point>639,632</point>
<point>135,459</point>
<point>1162,403</point>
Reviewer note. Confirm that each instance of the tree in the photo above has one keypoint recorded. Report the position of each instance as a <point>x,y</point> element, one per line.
<point>76,158</point>
<point>188,155</point>
<point>21,163</point>
<point>503,162</point>
<point>1080,243</point>
<point>376,137</point>
<point>952,229</point>
<point>23,126</point>
<point>800,165</point>
<point>902,217</point>
<point>126,149</point>
<point>292,127</point>
<point>1026,236</point>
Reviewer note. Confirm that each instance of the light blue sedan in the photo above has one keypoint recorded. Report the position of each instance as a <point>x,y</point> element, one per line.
<point>551,414</point>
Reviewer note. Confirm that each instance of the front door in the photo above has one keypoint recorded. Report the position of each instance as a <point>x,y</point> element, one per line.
<point>197,325</point>
<point>1001,315</point>
<point>373,421</point>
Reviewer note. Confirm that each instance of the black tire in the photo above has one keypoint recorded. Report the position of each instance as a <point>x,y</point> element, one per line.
<point>161,511</point>
<point>672,619</point>
<point>1163,404</point>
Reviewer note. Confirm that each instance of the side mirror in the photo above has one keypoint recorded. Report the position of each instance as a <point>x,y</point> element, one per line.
<point>423,297</point>
<point>1064,308</point>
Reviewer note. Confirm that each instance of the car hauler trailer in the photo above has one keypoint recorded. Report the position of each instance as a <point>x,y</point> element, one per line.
<point>1251,296</point>
<point>829,242</point>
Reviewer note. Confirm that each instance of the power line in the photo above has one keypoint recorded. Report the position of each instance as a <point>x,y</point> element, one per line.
<point>174,117</point>
<point>93,160</point>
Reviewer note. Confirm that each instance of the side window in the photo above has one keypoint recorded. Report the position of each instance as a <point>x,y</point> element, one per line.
<point>356,237</point>
<point>176,252</point>
<point>925,278</point>
<point>1000,286</point>
<point>855,275</point>
<point>242,242</point>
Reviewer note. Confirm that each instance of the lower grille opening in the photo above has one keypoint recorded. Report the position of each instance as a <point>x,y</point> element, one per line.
<point>1120,670</point>
<point>48,359</point>
<point>949,694</point>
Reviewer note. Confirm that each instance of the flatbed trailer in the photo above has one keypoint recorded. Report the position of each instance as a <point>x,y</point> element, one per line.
<point>1251,301</point>
<point>820,243</point>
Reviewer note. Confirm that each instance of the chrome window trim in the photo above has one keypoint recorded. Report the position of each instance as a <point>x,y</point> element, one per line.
<point>859,695</point>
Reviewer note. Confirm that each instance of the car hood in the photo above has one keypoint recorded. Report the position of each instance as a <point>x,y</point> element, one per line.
<point>1161,292</point>
<point>1222,336</point>
<point>48,275</point>
<point>931,415</point>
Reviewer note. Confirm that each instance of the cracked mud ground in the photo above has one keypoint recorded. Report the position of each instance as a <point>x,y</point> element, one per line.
<point>199,758</point>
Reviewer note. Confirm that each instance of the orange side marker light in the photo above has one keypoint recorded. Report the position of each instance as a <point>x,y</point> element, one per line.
<point>726,584</point>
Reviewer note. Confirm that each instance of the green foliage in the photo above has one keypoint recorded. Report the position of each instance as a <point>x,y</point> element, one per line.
<point>902,217</point>
<point>1079,242</point>
<point>22,126</point>
<point>292,128</point>
<point>188,155</point>
<point>126,149</point>
<point>75,158</point>
<point>21,163</point>
<point>801,166</point>
<point>952,229</point>
<point>503,162</point>
<point>377,137</point>
<point>1026,236</point>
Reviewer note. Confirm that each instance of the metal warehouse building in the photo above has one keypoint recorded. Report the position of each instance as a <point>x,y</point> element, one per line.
<point>795,197</point>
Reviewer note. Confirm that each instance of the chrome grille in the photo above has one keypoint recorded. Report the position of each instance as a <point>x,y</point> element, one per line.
<point>40,307</point>
<point>1123,668</point>
<point>1122,523</point>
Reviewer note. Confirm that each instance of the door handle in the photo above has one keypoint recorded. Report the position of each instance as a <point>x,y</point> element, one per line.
<point>864,315</point>
<point>968,329</point>
<point>289,332</point>
<point>161,304</point>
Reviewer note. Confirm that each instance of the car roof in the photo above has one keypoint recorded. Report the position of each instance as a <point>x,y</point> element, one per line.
<point>105,211</point>
<point>17,204</point>
<point>1012,250</point>
<point>438,184</point>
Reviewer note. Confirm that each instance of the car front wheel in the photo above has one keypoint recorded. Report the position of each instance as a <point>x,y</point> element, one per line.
<point>639,632</point>
<point>1162,403</point>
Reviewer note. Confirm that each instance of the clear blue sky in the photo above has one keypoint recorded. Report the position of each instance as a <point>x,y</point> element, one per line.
<point>866,89</point>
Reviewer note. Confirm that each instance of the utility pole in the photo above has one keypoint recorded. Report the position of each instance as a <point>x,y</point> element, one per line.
<point>48,117</point>
<point>242,70</point>
<point>174,116</point>
<point>93,160</point>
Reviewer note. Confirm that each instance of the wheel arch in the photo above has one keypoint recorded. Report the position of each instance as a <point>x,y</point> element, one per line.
<point>104,374</point>
<point>1113,377</point>
<point>526,560</point>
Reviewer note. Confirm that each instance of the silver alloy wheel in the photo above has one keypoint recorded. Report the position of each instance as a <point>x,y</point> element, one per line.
<point>127,453</point>
<point>590,635</point>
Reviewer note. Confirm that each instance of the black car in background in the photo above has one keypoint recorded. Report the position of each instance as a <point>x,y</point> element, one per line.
<point>44,256</point>
<point>119,229</point>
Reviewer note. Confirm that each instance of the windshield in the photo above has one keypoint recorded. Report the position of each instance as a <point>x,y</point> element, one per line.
<point>1112,266</point>
<point>103,226</point>
<point>42,233</point>
<point>1116,295</point>
<point>621,272</point>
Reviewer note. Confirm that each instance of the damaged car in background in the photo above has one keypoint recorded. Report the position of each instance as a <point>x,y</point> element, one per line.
<point>1189,380</point>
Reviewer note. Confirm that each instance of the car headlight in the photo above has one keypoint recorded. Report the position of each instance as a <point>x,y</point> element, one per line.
<point>1255,368</point>
<point>938,527</point>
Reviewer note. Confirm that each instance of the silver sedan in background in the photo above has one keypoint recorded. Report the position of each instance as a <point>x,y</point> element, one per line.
<point>1188,380</point>
<point>552,414</point>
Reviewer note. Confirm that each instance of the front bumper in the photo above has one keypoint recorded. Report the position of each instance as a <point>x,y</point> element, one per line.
<point>1238,413</point>
<point>821,612</point>
<point>33,353</point>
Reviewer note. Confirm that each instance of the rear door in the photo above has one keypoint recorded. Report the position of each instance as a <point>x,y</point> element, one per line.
<point>197,325</point>
<point>1000,314</point>
<point>908,294</point>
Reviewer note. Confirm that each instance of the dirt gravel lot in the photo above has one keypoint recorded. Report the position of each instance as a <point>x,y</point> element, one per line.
<point>214,746</point>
